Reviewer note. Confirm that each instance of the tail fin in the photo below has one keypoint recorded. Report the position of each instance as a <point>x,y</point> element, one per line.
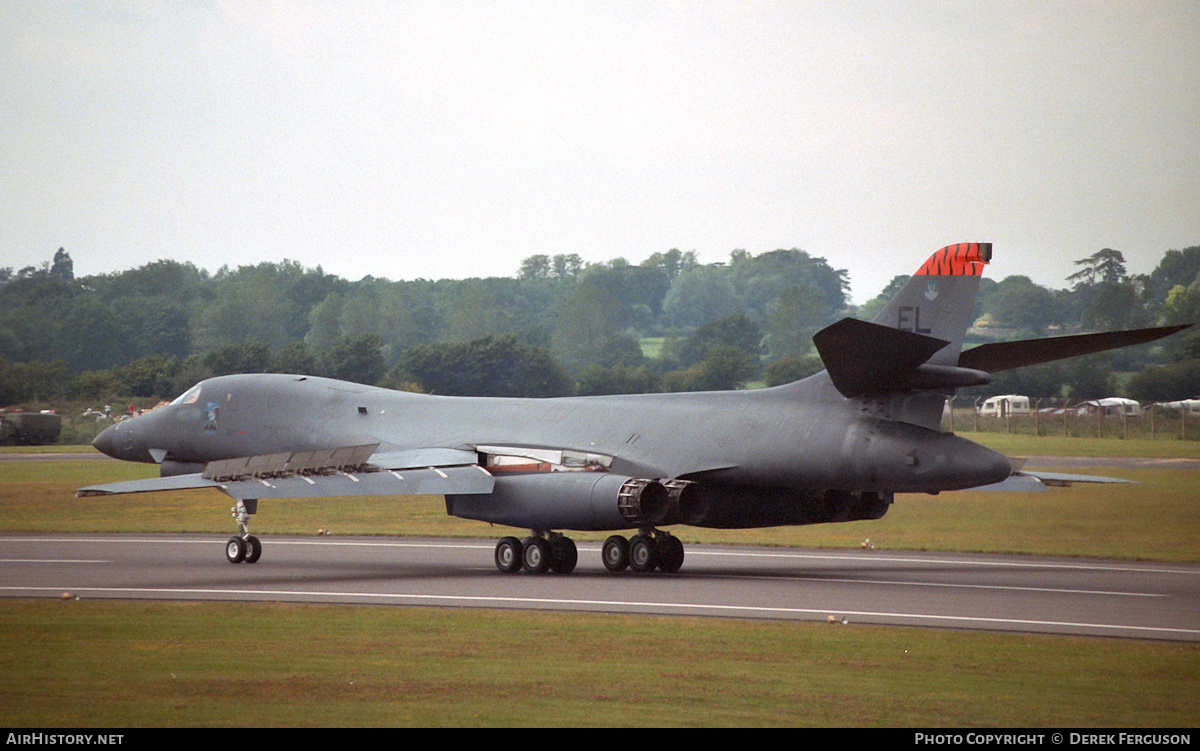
<point>914,342</point>
<point>939,299</point>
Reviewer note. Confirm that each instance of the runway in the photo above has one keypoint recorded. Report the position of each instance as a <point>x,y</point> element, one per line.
<point>993,593</point>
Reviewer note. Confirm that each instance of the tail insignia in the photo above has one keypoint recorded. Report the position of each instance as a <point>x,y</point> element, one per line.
<point>961,259</point>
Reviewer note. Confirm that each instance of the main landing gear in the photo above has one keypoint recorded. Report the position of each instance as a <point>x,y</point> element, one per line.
<point>537,554</point>
<point>243,548</point>
<point>644,552</point>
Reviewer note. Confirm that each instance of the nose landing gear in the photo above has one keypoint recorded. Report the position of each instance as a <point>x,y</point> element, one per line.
<point>243,548</point>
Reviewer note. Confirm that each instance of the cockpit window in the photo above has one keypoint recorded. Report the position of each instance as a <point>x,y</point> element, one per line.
<point>191,396</point>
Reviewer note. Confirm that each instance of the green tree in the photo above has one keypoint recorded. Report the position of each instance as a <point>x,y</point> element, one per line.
<point>597,380</point>
<point>1105,266</point>
<point>761,280</point>
<point>1166,383</point>
<point>1089,377</point>
<point>671,263</point>
<point>735,331</point>
<point>267,303</point>
<point>248,357</point>
<point>535,267</point>
<point>1182,304</point>
<point>723,368</point>
<point>1174,381</point>
<point>1176,268</point>
<point>62,267</point>
<point>22,383</point>
<point>295,359</point>
<point>491,366</point>
<point>797,314</point>
<point>151,376</point>
<point>92,336</point>
<point>589,318</point>
<point>358,359</point>
<point>792,369</point>
<point>325,323</point>
<point>567,265</point>
<point>698,295</point>
<point>871,308</point>
<point>1018,303</point>
<point>1046,381</point>
<point>1105,296</point>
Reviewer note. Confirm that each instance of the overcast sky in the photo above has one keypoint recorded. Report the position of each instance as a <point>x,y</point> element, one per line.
<point>453,139</point>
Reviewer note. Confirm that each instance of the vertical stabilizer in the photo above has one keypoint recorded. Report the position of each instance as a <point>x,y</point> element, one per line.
<point>939,299</point>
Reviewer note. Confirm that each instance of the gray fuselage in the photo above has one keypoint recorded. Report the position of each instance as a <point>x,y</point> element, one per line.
<point>802,436</point>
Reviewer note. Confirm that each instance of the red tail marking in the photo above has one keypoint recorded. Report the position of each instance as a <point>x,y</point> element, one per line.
<point>962,259</point>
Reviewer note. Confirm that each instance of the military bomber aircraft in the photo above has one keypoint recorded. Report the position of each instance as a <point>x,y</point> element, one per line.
<point>833,447</point>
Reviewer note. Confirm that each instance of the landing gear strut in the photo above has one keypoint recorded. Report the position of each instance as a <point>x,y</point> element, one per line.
<point>245,547</point>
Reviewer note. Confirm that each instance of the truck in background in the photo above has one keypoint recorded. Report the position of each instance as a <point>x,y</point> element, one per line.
<point>29,428</point>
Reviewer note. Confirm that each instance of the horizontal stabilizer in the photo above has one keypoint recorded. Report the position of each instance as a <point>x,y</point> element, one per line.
<point>999,356</point>
<point>864,357</point>
<point>1060,479</point>
<point>1026,481</point>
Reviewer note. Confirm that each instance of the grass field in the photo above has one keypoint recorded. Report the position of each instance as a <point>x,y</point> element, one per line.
<point>104,664</point>
<point>113,664</point>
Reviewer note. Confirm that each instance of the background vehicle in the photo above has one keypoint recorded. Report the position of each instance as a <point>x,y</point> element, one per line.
<point>1005,405</point>
<point>31,428</point>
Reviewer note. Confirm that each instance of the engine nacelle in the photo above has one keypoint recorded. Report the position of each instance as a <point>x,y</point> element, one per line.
<point>567,500</point>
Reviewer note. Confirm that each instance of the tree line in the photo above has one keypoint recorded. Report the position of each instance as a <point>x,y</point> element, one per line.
<point>560,327</point>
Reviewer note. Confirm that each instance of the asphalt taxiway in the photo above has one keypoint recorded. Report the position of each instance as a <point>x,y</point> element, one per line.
<point>996,593</point>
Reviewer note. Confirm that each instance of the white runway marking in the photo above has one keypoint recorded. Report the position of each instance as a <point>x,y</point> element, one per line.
<point>696,608</point>
<point>50,560</point>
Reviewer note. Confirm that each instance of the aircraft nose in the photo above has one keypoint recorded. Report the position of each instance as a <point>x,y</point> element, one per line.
<point>106,441</point>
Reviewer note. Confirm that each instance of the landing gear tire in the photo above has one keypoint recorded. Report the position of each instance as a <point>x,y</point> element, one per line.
<point>670,554</point>
<point>563,555</point>
<point>253,550</point>
<point>535,555</point>
<point>509,555</point>
<point>643,554</point>
<point>235,550</point>
<point>615,553</point>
